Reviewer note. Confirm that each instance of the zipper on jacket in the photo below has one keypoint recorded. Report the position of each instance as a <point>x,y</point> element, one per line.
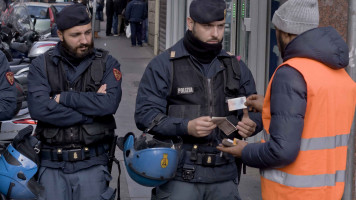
<point>210,97</point>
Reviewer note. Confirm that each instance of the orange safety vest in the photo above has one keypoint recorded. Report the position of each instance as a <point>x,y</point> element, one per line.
<point>319,169</point>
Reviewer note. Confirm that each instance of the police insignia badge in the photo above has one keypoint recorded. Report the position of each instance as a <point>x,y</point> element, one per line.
<point>10,77</point>
<point>117,74</point>
<point>164,161</point>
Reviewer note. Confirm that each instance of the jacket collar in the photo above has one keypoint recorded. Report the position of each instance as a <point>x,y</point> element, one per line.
<point>178,51</point>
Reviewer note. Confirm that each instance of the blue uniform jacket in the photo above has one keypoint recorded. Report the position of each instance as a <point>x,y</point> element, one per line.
<point>74,107</point>
<point>8,95</point>
<point>136,11</point>
<point>154,89</point>
<point>289,98</point>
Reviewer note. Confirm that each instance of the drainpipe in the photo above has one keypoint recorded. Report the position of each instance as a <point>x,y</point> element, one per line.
<point>351,69</point>
<point>156,34</point>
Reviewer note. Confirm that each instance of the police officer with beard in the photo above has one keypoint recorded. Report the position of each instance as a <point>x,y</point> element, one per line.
<point>74,90</point>
<point>182,89</point>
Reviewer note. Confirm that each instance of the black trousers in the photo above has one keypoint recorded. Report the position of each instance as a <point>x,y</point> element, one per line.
<point>109,19</point>
<point>136,31</point>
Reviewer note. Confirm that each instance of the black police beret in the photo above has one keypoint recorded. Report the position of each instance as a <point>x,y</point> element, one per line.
<point>207,11</point>
<point>73,15</point>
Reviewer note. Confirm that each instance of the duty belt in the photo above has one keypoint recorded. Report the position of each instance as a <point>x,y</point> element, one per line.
<point>71,155</point>
<point>208,159</point>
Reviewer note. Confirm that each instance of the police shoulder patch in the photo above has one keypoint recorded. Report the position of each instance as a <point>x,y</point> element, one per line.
<point>117,74</point>
<point>10,77</point>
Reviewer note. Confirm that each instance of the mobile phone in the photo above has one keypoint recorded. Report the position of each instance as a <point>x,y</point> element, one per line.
<point>228,142</point>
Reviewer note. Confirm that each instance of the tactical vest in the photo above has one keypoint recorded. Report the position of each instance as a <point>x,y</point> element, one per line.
<point>101,130</point>
<point>319,169</point>
<point>191,96</point>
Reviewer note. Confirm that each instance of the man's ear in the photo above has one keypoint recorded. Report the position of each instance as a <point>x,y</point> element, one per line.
<point>287,37</point>
<point>60,35</point>
<point>190,23</point>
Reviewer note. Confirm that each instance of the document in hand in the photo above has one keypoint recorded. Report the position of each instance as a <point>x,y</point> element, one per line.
<point>225,125</point>
<point>236,103</point>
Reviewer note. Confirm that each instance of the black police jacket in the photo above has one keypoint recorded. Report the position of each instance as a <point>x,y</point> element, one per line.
<point>176,87</point>
<point>102,127</point>
<point>74,107</point>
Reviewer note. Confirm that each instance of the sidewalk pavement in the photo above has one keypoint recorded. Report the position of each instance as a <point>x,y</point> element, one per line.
<point>133,62</point>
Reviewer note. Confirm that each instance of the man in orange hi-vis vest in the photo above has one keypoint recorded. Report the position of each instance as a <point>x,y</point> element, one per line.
<point>307,111</point>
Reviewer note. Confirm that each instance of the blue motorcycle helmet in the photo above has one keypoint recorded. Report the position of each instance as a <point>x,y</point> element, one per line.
<point>151,162</point>
<point>19,164</point>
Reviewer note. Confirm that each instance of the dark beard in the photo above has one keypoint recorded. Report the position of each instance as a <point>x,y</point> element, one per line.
<point>282,45</point>
<point>74,53</point>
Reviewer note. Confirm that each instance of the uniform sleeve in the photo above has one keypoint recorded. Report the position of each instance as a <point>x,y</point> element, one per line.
<point>97,104</point>
<point>247,88</point>
<point>287,122</point>
<point>41,106</point>
<point>151,99</point>
<point>128,11</point>
<point>8,95</point>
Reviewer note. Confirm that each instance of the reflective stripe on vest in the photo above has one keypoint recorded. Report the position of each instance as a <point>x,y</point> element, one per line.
<point>318,172</point>
<point>303,181</point>
<point>320,143</point>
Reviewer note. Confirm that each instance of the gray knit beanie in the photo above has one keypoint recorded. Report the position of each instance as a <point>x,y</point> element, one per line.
<point>297,16</point>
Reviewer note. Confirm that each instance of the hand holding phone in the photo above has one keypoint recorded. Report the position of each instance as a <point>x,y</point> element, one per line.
<point>228,142</point>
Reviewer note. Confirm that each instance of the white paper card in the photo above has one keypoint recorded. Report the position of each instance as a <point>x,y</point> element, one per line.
<point>236,103</point>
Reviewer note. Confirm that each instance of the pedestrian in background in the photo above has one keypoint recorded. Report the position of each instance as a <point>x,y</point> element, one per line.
<point>73,91</point>
<point>119,6</point>
<point>98,16</point>
<point>115,18</point>
<point>100,10</point>
<point>145,26</point>
<point>135,13</point>
<point>307,111</point>
<point>109,16</point>
<point>180,92</point>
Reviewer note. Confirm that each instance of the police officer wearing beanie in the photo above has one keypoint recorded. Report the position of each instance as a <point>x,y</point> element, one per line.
<point>182,89</point>
<point>74,90</point>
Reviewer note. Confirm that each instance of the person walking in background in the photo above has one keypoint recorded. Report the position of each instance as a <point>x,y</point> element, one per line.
<point>145,26</point>
<point>109,16</point>
<point>135,13</point>
<point>98,17</point>
<point>121,16</point>
<point>119,6</point>
<point>181,91</point>
<point>115,17</point>
<point>307,112</point>
<point>100,10</point>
